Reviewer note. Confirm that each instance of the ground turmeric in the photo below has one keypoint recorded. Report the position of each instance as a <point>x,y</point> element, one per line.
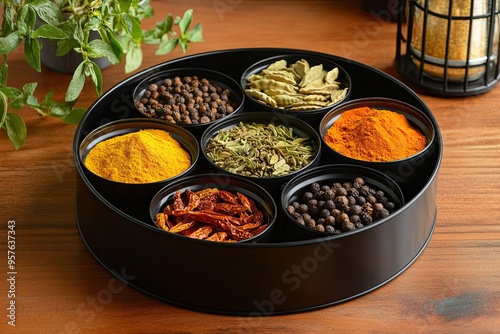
<point>374,135</point>
<point>145,156</point>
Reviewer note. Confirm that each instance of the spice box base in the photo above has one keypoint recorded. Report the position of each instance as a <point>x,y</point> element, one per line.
<point>279,275</point>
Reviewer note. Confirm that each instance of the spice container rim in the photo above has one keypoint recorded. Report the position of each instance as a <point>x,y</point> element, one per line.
<point>131,125</point>
<point>258,66</point>
<point>345,171</point>
<point>220,78</point>
<point>255,192</point>
<point>381,103</point>
<point>260,117</point>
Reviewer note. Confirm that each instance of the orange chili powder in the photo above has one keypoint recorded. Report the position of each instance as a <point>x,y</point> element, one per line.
<point>374,135</point>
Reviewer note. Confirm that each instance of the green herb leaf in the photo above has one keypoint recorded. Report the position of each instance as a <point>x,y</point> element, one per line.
<point>60,110</point>
<point>167,46</point>
<point>186,21</point>
<point>4,71</point>
<point>124,5</point>
<point>97,48</point>
<point>10,92</point>
<point>3,108</point>
<point>96,76</point>
<point>133,26</point>
<point>78,34</point>
<point>76,84</point>
<point>29,88</point>
<point>184,44</point>
<point>10,42</point>
<point>32,53</point>
<point>133,58</point>
<point>47,11</point>
<point>48,97</point>
<point>50,32</point>
<point>75,116</point>
<point>115,45</point>
<point>67,44</point>
<point>195,35</point>
<point>16,129</point>
<point>156,35</point>
<point>30,16</point>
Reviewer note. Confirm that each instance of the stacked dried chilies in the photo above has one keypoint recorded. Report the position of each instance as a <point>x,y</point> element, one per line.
<point>212,214</point>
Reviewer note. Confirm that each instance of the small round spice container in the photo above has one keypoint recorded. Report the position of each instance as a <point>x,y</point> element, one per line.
<point>338,200</point>
<point>128,161</point>
<point>190,97</point>
<point>215,208</point>
<point>301,85</point>
<point>385,134</point>
<point>265,147</point>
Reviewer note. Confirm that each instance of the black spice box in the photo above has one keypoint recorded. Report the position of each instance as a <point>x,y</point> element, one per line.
<point>276,277</point>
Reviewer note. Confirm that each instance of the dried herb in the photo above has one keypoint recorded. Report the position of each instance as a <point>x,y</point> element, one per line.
<point>260,150</point>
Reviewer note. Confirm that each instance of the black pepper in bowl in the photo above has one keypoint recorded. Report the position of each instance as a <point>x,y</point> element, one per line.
<point>341,207</point>
<point>188,96</point>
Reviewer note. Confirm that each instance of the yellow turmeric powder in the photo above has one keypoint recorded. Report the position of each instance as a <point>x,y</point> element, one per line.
<point>145,156</point>
<point>374,135</point>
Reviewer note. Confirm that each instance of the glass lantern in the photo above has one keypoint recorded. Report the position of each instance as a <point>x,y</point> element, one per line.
<point>449,47</point>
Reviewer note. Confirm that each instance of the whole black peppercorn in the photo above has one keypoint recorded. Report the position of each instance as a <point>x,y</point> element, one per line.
<point>315,187</point>
<point>329,229</point>
<point>330,220</point>
<point>341,191</point>
<point>355,209</point>
<point>360,200</point>
<point>341,202</point>
<point>329,205</point>
<point>355,219</point>
<point>371,199</point>
<point>358,182</point>
<point>366,219</point>
<point>390,206</point>
<point>381,214</point>
<point>325,213</point>
<point>302,208</point>
<point>312,202</point>
<point>378,207</point>
<point>310,222</point>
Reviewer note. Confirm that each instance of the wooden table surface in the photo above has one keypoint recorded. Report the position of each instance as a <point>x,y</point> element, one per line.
<point>454,286</point>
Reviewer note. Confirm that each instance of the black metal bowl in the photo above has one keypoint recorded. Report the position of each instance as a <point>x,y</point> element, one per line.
<point>327,175</point>
<point>311,116</point>
<point>403,170</point>
<point>300,129</point>
<point>216,79</point>
<point>128,196</point>
<point>263,200</point>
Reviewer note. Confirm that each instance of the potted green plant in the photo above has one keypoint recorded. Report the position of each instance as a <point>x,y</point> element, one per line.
<point>73,25</point>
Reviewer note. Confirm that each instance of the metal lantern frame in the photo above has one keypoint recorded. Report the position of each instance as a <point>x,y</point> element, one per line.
<point>413,61</point>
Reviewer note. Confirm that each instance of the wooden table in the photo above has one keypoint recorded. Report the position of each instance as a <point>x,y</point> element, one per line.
<point>454,286</point>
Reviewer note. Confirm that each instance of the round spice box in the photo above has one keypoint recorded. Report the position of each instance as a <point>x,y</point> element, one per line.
<point>259,145</point>
<point>275,275</point>
<point>233,187</point>
<point>298,189</point>
<point>296,84</point>
<point>126,195</point>
<point>190,97</point>
<point>403,170</point>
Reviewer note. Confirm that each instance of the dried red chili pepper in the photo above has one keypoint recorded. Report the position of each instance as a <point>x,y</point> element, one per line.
<point>212,214</point>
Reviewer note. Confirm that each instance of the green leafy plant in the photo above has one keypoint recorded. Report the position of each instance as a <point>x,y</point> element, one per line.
<point>69,23</point>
